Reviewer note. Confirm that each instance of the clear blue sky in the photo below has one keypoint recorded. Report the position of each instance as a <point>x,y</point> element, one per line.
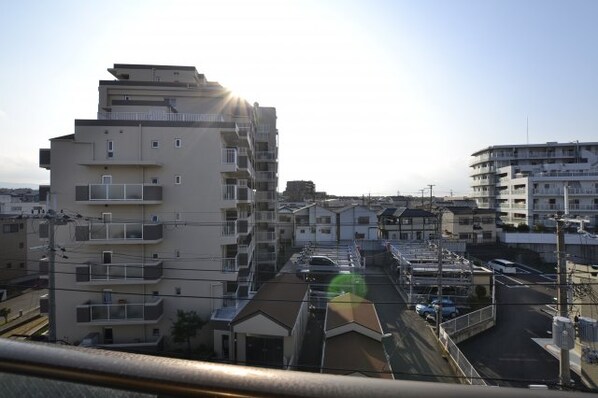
<point>372,96</point>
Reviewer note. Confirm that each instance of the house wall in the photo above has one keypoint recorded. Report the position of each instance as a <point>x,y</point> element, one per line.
<point>351,227</point>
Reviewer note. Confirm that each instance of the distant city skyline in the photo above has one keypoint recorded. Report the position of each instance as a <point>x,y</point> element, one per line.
<point>372,97</point>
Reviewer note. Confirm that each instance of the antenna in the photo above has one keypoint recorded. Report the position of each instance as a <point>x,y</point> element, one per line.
<point>527,129</point>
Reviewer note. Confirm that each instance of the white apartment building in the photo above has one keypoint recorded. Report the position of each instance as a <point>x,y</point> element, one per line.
<point>526,183</point>
<point>173,189</point>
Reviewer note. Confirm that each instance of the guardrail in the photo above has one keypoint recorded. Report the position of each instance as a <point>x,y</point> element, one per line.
<point>175,377</point>
<point>464,366</point>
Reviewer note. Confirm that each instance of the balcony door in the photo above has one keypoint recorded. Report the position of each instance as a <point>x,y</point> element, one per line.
<point>107,296</point>
<point>106,179</point>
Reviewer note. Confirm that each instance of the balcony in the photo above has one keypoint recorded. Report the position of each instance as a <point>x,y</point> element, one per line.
<point>265,216</point>
<point>266,236</point>
<point>229,233</point>
<point>132,194</point>
<point>121,313</point>
<point>266,156</point>
<point>266,176</point>
<point>119,274</point>
<point>119,233</point>
<point>161,116</point>
<point>234,194</point>
<point>229,264</point>
<point>265,196</point>
<point>44,158</point>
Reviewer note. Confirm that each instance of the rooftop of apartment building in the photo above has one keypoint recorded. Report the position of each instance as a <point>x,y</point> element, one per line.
<point>546,145</point>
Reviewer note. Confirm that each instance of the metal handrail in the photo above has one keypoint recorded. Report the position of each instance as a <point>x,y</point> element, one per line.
<point>176,377</point>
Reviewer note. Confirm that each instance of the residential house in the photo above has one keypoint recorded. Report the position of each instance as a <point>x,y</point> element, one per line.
<point>314,223</point>
<point>401,223</point>
<point>472,225</point>
<point>356,222</point>
<point>353,339</point>
<point>269,330</point>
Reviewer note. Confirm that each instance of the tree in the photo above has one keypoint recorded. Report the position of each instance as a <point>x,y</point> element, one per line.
<point>186,326</point>
<point>4,312</point>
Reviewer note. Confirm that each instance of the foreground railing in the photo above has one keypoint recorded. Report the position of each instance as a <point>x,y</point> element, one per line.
<point>161,376</point>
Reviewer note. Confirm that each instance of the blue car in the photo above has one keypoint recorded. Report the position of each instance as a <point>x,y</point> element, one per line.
<point>449,310</point>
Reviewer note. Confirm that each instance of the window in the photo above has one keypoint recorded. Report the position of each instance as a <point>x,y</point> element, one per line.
<point>463,236</point>
<point>407,221</point>
<point>107,257</point>
<point>359,235</point>
<point>21,245</point>
<point>178,143</point>
<point>177,253</point>
<point>363,220</point>
<point>301,231</point>
<point>154,180</point>
<point>404,236</point>
<point>156,332</point>
<point>155,255</point>
<point>21,265</point>
<point>177,291</point>
<point>177,179</point>
<point>110,148</point>
<point>155,144</point>
<point>154,218</point>
<point>107,217</point>
<point>10,228</point>
<point>8,265</point>
<point>487,235</point>
<point>106,179</point>
<point>325,230</point>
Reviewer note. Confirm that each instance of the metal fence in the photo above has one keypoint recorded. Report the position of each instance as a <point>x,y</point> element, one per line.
<point>468,320</point>
<point>467,370</point>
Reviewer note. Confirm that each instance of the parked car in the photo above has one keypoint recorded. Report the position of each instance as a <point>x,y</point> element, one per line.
<point>449,310</point>
<point>502,266</point>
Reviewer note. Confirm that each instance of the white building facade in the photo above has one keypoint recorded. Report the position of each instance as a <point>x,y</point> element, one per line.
<point>526,183</point>
<point>171,212</point>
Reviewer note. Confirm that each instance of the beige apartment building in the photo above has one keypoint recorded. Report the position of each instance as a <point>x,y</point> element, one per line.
<point>173,192</point>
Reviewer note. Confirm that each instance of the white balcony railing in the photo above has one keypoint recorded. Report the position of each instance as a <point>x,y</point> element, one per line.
<point>120,272</point>
<point>161,116</point>
<point>229,156</point>
<point>229,192</point>
<point>116,192</point>
<point>229,264</point>
<point>229,228</point>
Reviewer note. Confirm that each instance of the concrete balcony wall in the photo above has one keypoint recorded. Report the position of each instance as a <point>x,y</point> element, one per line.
<point>107,314</point>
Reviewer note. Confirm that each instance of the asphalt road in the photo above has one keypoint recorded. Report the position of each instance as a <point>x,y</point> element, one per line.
<point>413,350</point>
<point>506,355</point>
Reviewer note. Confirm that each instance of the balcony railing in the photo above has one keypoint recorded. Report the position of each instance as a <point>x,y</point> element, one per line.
<point>265,156</point>
<point>231,192</point>
<point>119,273</point>
<point>229,228</point>
<point>108,313</point>
<point>118,193</point>
<point>78,369</point>
<point>161,116</point>
<point>119,232</point>
<point>266,236</point>
<point>265,175</point>
<point>265,216</point>
<point>229,265</point>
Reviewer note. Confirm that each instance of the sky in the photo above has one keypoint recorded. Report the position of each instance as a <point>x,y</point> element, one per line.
<point>373,97</point>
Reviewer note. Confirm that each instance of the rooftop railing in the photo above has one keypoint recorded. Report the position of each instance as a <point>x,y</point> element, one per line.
<point>161,376</point>
<point>161,116</point>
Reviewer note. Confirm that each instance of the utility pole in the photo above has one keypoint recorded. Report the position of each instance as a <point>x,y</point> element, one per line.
<point>564,371</point>
<point>422,191</point>
<point>51,216</point>
<point>439,306</point>
<point>431,185</point>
